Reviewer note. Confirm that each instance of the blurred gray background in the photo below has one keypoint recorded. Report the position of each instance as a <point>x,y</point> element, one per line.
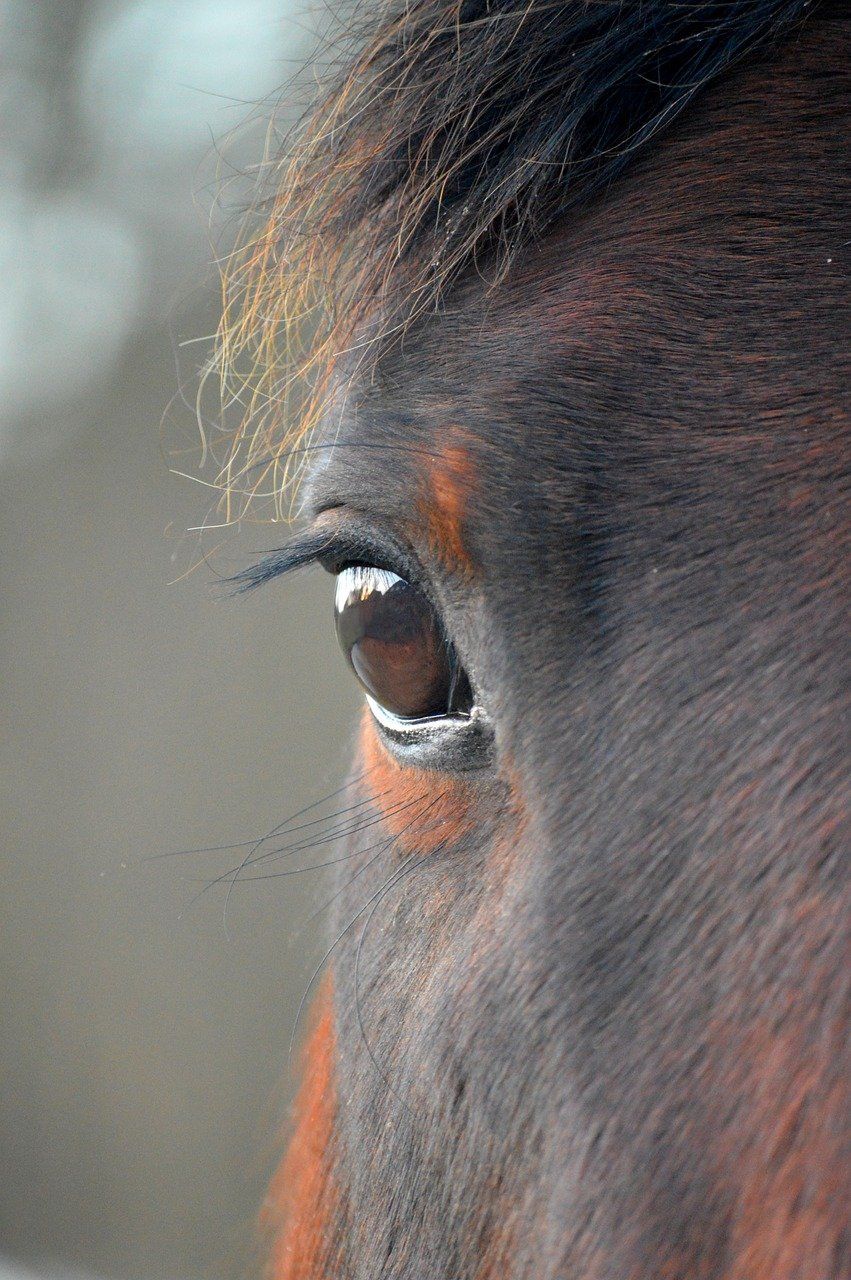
<point>143,1046</point>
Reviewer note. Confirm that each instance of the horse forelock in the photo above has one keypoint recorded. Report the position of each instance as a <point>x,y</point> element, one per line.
<point>457,134</point>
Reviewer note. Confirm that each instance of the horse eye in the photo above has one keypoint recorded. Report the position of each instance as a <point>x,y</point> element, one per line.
<point>396,646</point>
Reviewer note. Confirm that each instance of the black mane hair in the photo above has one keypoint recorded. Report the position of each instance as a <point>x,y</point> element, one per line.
<point>454,134</point>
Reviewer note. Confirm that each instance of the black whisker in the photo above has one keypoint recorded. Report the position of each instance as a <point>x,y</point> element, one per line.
<point>316,866</point>
<point>336,833</point>
<point>341,831</point>
<point>314,915</point>
<point>287,851</point>
<point>255,842</point>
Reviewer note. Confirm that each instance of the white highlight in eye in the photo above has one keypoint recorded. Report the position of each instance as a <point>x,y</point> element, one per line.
<point>358,581</point>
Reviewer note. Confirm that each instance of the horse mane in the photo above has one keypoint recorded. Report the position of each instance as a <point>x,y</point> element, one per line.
<point>454,133</point>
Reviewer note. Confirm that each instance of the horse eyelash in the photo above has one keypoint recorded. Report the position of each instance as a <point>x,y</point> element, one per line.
<point>302,550</point>
<point>333,550</point>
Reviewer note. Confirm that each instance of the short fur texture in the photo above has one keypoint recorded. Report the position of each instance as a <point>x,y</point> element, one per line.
<point>590,1003</point>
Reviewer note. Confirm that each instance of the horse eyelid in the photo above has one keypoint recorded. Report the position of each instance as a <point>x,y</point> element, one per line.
<point>349,542</point>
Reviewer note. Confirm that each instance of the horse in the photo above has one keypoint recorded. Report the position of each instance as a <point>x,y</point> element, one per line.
<point>564,284</point>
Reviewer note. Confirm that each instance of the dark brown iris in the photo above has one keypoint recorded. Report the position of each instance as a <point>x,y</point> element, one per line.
<point>395,644</point>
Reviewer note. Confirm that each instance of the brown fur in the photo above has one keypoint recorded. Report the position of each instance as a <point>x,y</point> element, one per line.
<point>449,490</point>
<point>597,1031</point>
<point>302,1199</point>
<point>422,810</point>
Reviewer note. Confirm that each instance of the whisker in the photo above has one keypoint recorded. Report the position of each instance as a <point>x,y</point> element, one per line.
<point>341,831</point>
<point>332,838</point>
<point>286,850</point>
<point>276,830</point>
<point>316,866</point>
<point>314,915</point>
<point>338,832</point>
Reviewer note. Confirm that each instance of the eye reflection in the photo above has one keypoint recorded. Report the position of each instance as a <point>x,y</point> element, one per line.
<point>396,646</point>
